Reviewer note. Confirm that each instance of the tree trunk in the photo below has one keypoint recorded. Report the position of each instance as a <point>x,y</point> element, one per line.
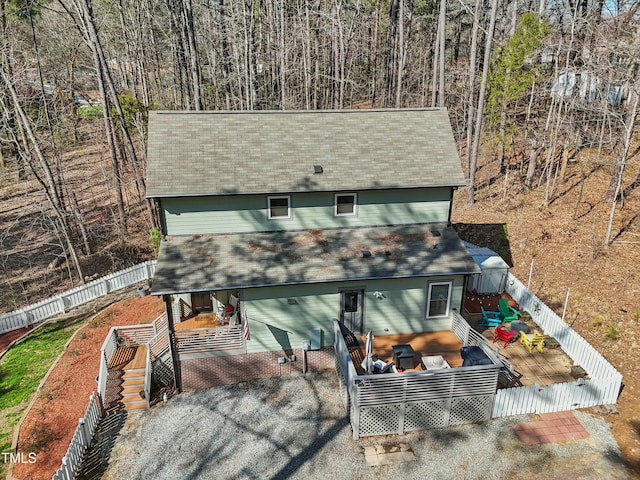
<point>187,14</point>
<point>441,55</point>
<point>48,184</point>
<point>620,166</point>
<point>400,53</point>
<point>472,87</point>
<point>481,98</point>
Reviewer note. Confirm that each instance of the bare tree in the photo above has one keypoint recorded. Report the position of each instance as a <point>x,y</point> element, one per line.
<point>475,147</point>
<point>43,174</point>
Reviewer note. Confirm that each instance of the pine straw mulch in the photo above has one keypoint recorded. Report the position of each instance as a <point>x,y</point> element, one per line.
<point>51,422</point>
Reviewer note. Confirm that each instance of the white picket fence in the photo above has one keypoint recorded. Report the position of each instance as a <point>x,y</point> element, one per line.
<point>602,386</point>
<point>65,301</point>
<point>81,440</point>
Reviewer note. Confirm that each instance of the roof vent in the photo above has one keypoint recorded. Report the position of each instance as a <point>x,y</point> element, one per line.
<point>317,169</point>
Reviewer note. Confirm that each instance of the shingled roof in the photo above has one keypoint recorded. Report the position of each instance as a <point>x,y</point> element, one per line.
<point>226,153</point>
<point>216,262</point>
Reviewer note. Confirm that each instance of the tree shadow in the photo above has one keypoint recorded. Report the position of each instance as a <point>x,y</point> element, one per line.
<point>96,458</point>
<point>492,235</point>
<point>625,228</point>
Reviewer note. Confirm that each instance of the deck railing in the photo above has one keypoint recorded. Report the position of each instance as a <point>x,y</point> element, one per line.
<point>400,403</point>
<point>81,440</point>
<point>147,378</point>
<point>40,311</point>
<point>135,335</point>
<point>109,346</point>
<point>210,342</point>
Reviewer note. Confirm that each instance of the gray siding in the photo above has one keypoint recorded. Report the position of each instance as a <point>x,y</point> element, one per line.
<point>277,325</point>
<point>248,213</point>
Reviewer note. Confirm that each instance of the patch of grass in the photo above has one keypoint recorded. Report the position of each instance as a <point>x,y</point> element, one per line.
<point>90,112</point>
<point>5,446</point>
<point>24,365</point>
<point>504,236</point>
<point>612,333</point>
<point>22,369</point>
<point>597,321</point>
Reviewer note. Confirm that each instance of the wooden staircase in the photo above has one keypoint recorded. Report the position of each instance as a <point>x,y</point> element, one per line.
<point>126,379</point>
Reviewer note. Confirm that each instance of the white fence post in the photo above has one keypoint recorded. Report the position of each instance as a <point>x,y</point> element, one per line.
<point>84,434</point>
<point>66,472</point>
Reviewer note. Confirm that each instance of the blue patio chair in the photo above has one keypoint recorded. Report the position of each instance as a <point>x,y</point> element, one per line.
<point>489,319</point>
<point>507,313</point>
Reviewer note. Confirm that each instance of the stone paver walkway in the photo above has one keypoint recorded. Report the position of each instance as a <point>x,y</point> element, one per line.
<point>388,454</point>
<point>552,427</point>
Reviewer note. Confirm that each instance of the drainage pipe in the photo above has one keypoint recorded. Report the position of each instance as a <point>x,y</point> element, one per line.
<point>305,347</point>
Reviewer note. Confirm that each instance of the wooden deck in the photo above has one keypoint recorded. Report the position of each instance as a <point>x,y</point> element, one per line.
<point>139,360</point>
<point>202,320</point>
<point>121,357</point>
<point>443,343</point>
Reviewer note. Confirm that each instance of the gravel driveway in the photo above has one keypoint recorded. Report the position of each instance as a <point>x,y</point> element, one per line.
<point>295,427</point>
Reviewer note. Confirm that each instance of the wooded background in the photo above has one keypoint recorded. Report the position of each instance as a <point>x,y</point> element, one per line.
<point>529,84</point>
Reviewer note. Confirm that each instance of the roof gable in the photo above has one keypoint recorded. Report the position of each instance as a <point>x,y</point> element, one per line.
<point>225,153</point>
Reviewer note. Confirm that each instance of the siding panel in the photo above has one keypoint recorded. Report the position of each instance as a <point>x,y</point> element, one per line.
<point>277,325</point>
<point>248,213</point>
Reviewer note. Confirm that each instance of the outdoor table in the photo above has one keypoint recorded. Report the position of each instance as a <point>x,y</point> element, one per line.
<point>435,362</point>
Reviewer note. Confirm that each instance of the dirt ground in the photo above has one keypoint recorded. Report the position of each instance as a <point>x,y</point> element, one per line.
<point>51,422</point>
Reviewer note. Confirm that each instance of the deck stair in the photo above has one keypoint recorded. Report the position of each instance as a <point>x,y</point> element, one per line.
<point>126,379</point>
<point>122,356</point>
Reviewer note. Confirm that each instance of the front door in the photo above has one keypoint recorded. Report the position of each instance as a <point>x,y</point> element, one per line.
<point>201,302</point>
<point>352,311</point>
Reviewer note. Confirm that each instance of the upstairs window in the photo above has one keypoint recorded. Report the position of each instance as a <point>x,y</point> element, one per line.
<point>279,207</point>
<point>345,204</point>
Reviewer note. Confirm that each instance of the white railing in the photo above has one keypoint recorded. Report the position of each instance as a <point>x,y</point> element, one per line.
<point>109,347</point>
<point>399,403</point>
<point>160,324</point>
<point>210,342</point>
<point>40,311</point>
<point>136,335</point>
<point>147,378</point>
<point>81,440</point>
<point>600,388</point>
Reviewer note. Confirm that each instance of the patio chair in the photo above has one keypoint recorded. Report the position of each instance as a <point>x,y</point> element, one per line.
<point>531,340</point>
<point>489,319</point>
<point>507,313</point>
<point>230,314</point>
<point>502,334</point>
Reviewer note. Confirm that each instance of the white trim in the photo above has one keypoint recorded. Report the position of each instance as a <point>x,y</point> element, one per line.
<point>355,205</point>
<point>278,197</point>
<point>429,286</point>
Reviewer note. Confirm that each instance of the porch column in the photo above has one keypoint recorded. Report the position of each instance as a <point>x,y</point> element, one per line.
<point>177,377</point>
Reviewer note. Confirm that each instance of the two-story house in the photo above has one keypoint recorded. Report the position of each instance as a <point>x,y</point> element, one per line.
<point>296,218</point>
